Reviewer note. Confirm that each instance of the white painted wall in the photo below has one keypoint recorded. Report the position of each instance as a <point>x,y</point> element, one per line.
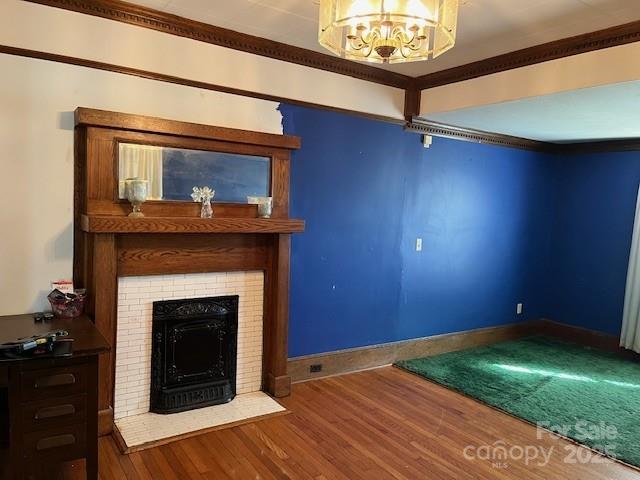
<point>601,67</point>
<point>37,100</point>
<point>43,28</point>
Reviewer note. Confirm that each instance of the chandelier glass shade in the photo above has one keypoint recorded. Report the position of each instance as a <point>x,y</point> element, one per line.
<point>388,31</point>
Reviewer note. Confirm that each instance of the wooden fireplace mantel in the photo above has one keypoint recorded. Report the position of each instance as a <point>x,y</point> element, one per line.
<point>113,224</point>
<point>171,238</point>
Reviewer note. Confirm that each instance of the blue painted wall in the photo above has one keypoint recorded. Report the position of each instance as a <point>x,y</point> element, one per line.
<point>596,197</point>
<point>367,189</point>
<point>484,215</point>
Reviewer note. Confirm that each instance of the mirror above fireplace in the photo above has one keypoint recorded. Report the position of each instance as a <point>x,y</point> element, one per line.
<point>173,172</point>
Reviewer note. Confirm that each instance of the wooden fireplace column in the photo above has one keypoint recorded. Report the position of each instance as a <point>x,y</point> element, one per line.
<point>172,239</point>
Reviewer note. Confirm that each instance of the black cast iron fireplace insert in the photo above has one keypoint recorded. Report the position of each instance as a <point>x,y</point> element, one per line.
<point>193,357</point>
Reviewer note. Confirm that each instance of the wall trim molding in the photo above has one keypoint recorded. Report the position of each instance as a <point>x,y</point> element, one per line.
<point>621,145</point>
<point>436,129</point>
<point>149,18</point>
<point>566,47</point>
<point>161,77</point>
<point>352,360</point>
<point>412,124</point>
<point>184,27</point>
<point>584,336</point>
<point>374,356</point>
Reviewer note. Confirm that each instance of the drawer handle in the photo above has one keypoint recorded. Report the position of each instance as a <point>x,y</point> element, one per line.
<point>57,411</point>
<point>55,442</point>
<point>55,380</point>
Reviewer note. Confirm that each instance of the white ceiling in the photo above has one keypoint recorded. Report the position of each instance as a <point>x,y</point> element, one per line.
<point>486,27</point>
<point>589,114</point>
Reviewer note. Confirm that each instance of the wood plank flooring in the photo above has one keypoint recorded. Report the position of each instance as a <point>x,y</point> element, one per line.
<point>380,424</point>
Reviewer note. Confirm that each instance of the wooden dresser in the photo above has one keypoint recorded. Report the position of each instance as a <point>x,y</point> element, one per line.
<point>49,404</point>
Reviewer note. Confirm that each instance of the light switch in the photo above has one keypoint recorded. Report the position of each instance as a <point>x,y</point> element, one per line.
<point>418,244</point>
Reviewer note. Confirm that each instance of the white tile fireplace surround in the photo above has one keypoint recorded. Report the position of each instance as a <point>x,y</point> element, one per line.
<point>133,346</point>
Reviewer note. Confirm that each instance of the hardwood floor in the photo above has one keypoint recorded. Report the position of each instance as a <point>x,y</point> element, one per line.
<point>380,424</point>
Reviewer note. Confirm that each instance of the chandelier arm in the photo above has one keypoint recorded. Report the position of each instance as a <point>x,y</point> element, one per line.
<point>402,46</point>
<point>367,55</point>
<point>356,46</point>
<point>400,39</point>
<point>371,34</point>
<point>373,38</point>
<point>413,47</point>
<point>361,47</point>
<point>408,46</point>
<point>413,38</point>
<point>400,34</point>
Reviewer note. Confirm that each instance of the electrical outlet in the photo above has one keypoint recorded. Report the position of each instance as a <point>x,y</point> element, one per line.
<point>315,368</point>
<point>418,244</point>
<point>519,309</point>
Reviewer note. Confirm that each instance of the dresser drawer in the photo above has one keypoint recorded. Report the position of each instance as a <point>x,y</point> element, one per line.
<point>54,412</point>
<point>58,444</point>
<point>53,382</point>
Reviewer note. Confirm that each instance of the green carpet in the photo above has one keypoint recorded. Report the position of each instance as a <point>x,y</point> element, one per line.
<point>586,394</point>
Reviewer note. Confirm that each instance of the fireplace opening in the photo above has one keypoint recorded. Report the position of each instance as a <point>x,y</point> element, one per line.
<point>193,359</point>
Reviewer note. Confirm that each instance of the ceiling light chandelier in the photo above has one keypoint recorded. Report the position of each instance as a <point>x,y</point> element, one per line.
<point>388,31</point>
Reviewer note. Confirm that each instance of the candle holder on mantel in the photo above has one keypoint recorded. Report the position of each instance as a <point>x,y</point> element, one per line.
<point>137,191</point>
<point>265,205</point>
<point>204,195</point>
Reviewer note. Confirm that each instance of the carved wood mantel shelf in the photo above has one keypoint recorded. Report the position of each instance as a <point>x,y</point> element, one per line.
<point>172,238</point>
<point>113,224</point>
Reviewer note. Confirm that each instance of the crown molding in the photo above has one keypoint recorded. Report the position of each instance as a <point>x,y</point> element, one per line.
<point>602,146</point>
<point>180,26</point>
<point>566,47</point>
<point>437,129</point>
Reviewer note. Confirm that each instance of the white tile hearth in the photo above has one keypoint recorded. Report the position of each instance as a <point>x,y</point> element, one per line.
<point>133,339</point>
<point>150,429</point>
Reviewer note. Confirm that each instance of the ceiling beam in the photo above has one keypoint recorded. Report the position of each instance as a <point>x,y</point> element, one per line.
<point>412,96</point>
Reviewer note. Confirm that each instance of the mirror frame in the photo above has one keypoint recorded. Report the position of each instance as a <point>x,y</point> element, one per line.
<point>100,174</point>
